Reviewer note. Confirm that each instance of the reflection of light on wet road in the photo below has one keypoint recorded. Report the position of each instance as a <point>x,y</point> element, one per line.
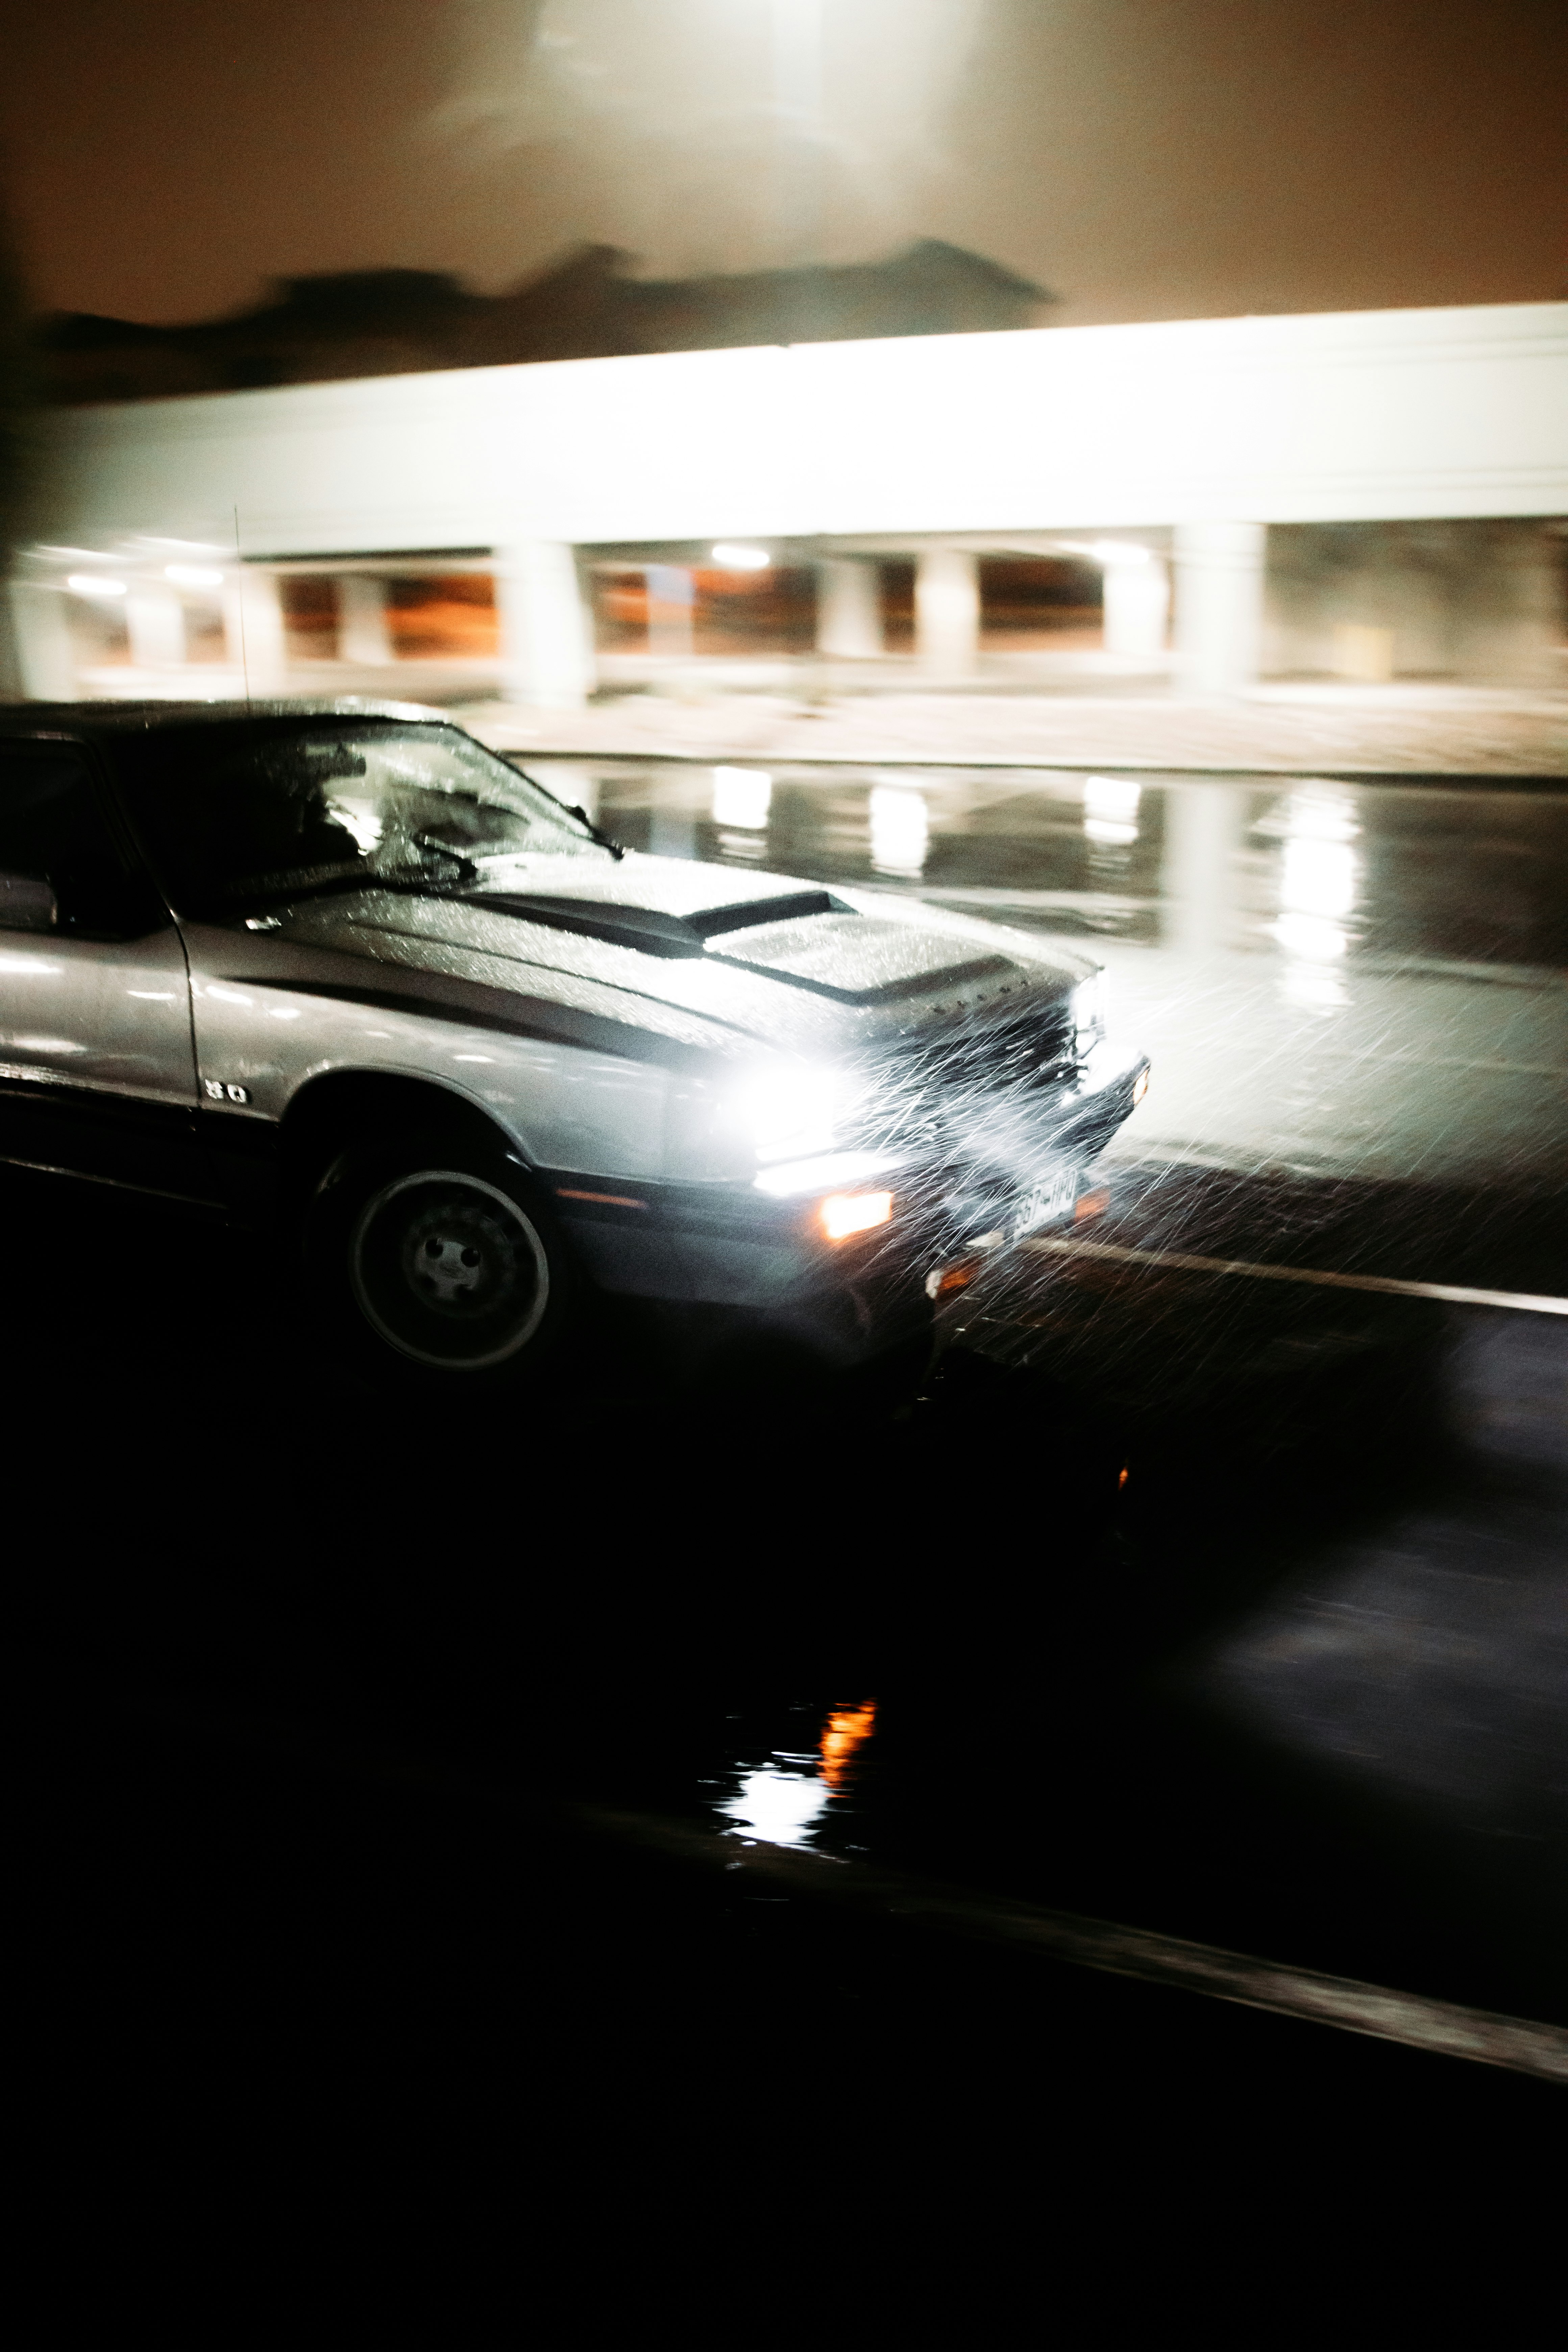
<point>1317,893</point>
<point>777,1805</point>
<point>780,1801</point>
<point>901,829</point>
<point>846,1731</point>
<point>740,798</point>
<point>1110,810</point>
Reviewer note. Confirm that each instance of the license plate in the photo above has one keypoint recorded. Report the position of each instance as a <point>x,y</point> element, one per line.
<point>1045,1203</point>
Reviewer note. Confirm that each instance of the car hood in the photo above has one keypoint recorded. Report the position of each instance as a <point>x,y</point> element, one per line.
<point>766,956</point>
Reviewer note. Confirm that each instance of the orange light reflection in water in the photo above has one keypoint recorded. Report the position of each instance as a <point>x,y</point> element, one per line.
<point>847,1729</point>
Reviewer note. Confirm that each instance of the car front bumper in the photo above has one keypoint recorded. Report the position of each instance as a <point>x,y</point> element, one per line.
<point>764,1260</point>
<point>763,1254</point>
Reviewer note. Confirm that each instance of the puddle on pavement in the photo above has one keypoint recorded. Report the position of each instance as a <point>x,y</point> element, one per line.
<point>800,1795</point>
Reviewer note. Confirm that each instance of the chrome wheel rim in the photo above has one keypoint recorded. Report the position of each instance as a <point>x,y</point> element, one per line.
<point>449,1270</point>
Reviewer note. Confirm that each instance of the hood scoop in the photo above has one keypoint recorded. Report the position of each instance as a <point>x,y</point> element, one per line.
<point>868,959</point>
<point>806,939</point>
<point>651,930</point>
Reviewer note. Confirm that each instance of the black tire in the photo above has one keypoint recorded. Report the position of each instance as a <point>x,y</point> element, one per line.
<point>438,1265</point>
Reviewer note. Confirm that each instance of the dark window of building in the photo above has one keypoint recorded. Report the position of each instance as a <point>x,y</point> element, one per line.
<point>756,613</point>
<point>309,601</point>
<point>1028,601</point>
<point>99,634</point>
<point>620,609</point>
<point>452,614</point>
<point>898,595</point>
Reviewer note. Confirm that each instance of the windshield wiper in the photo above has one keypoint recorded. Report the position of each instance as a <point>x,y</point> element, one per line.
<point>331,886</point>
<point>617,849</point>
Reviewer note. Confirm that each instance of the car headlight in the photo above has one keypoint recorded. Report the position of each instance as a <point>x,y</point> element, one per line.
<point>792,1111</point>
<point>1089,1008</point>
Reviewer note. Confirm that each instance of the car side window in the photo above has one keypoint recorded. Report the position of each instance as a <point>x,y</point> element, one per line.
<point>60,866</point>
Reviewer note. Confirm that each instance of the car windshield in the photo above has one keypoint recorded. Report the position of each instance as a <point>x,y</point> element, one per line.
<point>237,815</point>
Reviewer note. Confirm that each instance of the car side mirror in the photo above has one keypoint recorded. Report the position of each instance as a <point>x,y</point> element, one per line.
<point>28,904</point>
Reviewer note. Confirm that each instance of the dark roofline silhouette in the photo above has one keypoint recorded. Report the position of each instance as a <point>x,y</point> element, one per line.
<point>586,305</point>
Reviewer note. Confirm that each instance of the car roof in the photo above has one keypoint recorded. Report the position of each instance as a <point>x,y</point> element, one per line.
<point>113,719</point>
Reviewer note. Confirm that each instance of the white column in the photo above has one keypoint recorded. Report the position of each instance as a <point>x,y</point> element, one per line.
<point>364,636</point>
<point>43,654</point>
<point>253,624</point>
<point>156,623</point>
<point>1137,606</point>
<point>848,610</point>
<point>546,639</point>
<point>947,611</point>
<point>1220,605</point>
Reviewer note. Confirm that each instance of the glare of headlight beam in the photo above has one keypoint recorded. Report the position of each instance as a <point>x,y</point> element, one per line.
<point>844,1213</point>
<point>798,1177</point>
<point>790,1111</point>
<point>731,556</point>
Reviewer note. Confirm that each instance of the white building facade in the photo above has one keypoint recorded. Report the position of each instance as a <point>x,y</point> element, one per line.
<point>1254,494</point>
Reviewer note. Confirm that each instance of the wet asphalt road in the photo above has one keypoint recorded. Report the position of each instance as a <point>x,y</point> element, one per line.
<point>1227,1607</point>
<point>307,1694</point>
<point>1264,1647</point>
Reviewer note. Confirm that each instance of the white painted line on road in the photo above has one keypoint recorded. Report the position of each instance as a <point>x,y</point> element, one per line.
<point>1445,2028</point>
<point>1523,1302</point>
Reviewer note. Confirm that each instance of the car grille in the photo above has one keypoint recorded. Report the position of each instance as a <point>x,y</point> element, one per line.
<point>925,1083</point>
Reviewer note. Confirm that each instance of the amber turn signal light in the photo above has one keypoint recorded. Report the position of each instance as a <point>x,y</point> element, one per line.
<point>944,1280</point>
<point>842,1214</point>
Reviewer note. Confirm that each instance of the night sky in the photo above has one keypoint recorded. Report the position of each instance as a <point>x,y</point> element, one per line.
<point>1142,158</point>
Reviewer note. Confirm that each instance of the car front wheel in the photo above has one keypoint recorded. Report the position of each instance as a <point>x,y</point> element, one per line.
<point>437,1267</point>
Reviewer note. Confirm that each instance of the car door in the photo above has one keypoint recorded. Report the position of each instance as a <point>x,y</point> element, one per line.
<point>96,1068</point>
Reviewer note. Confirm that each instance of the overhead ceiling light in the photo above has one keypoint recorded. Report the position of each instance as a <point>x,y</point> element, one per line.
<point>92,584</point>
<point>193,575</point>
<point>732,557</point>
